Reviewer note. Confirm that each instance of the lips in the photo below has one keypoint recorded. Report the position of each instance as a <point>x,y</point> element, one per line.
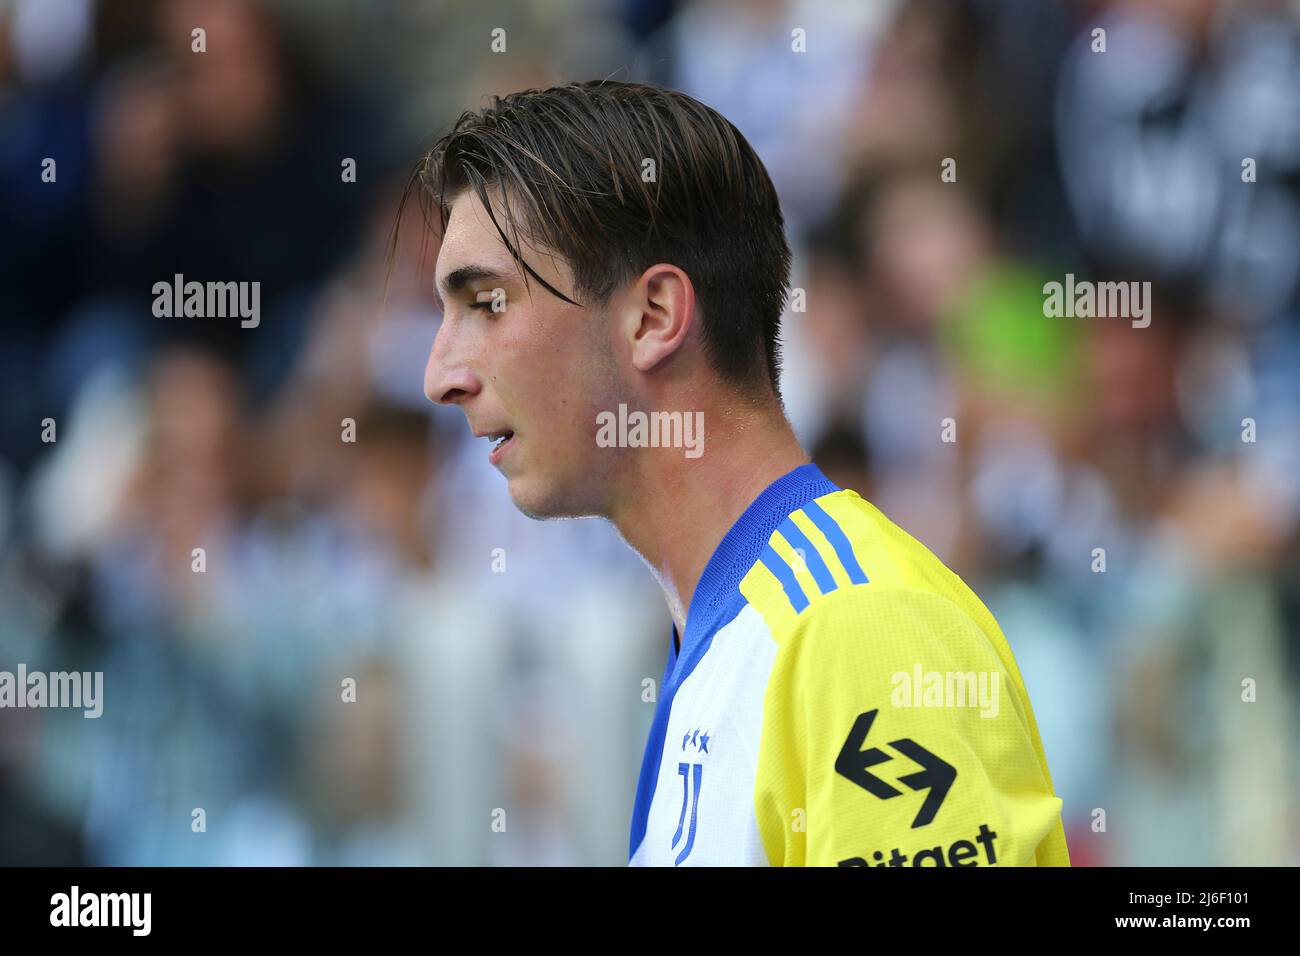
<point>504,442</point>
<point>501,438</point>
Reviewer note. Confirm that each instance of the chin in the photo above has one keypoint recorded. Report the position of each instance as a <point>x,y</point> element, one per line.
<point>542,500</point>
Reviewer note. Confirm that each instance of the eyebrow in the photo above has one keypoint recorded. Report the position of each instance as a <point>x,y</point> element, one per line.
<point>457,279</point>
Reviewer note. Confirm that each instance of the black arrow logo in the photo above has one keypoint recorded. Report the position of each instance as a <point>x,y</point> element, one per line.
<point>936,775</point>
<point>853,761</point>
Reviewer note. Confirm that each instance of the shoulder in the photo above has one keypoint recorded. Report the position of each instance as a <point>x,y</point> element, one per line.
<point>841,544</point>
<point>839,573</point>
<point>865,637</point>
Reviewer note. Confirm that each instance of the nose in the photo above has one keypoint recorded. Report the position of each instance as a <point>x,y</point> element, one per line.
<point>448,379</point>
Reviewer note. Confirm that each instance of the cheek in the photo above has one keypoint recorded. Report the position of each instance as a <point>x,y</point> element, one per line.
<point>568,400</point>
<point>526,364</point>
<point>558,372</point>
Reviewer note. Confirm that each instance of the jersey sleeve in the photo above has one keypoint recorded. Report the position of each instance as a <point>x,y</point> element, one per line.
<point>893,735</point>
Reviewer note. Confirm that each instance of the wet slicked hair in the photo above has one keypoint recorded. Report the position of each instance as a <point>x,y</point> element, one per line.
<point>571,166</point>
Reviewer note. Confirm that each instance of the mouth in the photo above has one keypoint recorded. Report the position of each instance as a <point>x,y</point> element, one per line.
<point>501,442</point>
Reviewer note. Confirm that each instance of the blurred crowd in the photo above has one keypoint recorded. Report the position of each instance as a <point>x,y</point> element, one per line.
<point>377,660</point>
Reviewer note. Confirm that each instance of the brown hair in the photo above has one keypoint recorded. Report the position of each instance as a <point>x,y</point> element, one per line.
<point>575,158</point>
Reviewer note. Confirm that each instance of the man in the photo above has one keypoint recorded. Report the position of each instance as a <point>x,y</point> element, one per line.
<point>612,271</point>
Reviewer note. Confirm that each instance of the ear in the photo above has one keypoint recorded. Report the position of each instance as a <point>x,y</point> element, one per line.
<point>661,316</point>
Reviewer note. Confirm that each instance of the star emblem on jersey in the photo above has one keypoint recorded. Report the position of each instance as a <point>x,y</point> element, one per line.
<point>700,741</point>
<point>692,775</point>
<point>935,775</point>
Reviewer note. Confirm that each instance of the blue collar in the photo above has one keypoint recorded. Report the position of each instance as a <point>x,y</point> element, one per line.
<point>716,596</point>
<point>717,600</point>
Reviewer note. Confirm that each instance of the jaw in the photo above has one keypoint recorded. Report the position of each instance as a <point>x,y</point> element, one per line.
<point>566,488</point>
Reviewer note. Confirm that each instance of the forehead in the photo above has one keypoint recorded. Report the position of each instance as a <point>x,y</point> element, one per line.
<point>471,239</point>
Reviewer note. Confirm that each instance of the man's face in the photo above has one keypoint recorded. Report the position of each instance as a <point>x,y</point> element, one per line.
<point>537,372</point>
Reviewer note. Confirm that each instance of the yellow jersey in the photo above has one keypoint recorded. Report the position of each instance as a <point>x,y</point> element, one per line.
<point>840,697</point>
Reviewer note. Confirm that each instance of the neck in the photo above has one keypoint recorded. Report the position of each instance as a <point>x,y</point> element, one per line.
<point>674,511</point>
